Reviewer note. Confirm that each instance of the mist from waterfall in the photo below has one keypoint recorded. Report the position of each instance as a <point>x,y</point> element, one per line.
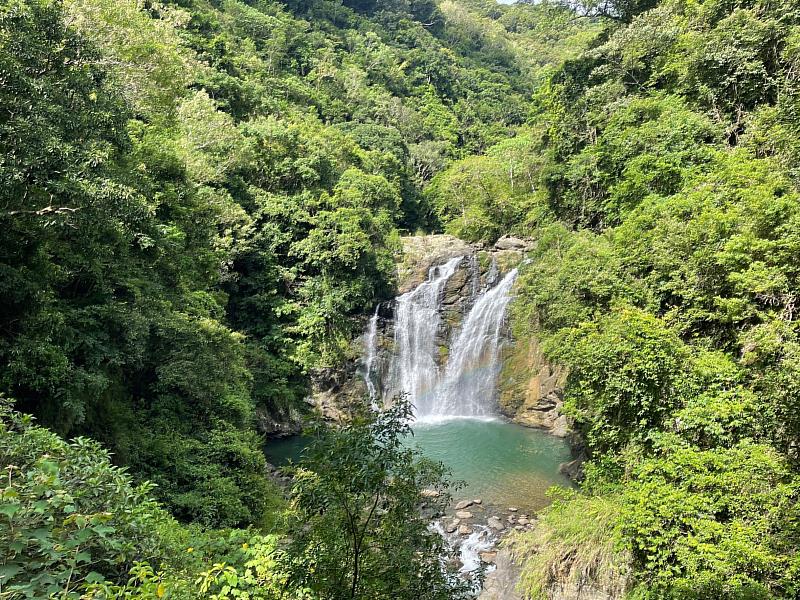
<point>465,385</point>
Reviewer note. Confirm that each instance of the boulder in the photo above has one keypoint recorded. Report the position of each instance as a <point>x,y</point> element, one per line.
<point>464,514</point>
<point>523,521</point>
<point>508,242</point>
<point>560,427</point>
<point>463,504</point>
<point>464,530</point>
<point>452,526</point>
<point>572,469</point>
<point>488,557</point>
<point>478,501</point>
<point>495,524</point>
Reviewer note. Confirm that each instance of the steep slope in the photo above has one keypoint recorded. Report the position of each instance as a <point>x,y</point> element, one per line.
<point>659,176</point>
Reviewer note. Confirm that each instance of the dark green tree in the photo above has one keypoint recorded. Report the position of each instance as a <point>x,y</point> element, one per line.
<point>361,532</point>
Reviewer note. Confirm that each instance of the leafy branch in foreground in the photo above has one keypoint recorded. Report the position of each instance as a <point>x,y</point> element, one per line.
<point>361,531</point>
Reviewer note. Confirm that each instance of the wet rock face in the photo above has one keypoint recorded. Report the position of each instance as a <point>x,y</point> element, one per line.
<point>531,389</point>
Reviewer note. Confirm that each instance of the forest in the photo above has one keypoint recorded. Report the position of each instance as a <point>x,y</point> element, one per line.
<point>202,201</point>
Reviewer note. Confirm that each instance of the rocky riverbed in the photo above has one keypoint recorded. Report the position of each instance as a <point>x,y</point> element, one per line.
<point>473,530</point>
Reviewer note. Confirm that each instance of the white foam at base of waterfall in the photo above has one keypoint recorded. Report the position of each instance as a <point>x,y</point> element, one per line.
<point>441,419</point>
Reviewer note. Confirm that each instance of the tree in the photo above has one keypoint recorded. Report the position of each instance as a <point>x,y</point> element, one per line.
<point>623,375</point>
<point>361,532</point>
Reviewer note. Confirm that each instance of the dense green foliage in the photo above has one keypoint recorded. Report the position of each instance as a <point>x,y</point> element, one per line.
<point>73,525</point>
<point>660,173</point>
<point>69,517</point>
<point>357,497</point>
<point>200,200</point>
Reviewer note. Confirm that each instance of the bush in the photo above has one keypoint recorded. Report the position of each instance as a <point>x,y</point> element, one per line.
<point>68,517</point>
<point>721,523</point>
<point>624,370</point>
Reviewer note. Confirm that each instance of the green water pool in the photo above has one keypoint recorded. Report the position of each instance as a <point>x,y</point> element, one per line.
<point>502,463</point>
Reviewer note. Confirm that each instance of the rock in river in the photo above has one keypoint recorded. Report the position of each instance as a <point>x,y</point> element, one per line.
<point>464,514</point>
<point>463,504</point>
<point>495,524</point>
<point>452,526</point>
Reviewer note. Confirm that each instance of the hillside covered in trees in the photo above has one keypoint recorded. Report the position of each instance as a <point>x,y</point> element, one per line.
<point>201,201</point>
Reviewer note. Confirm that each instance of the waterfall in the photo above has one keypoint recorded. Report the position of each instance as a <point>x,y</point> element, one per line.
<point>371,345</point>
<point>414,368</point>
<point>470,377</point>
<point>465,386</point>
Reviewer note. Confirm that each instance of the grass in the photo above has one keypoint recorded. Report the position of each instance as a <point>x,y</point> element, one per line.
<point>573,547</point>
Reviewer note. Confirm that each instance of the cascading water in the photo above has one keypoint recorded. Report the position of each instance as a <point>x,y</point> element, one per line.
<point>371,344</point>
<point>470,376</point>
<point>457,418</point>
<point>465,385</point>
<point>414,369</point>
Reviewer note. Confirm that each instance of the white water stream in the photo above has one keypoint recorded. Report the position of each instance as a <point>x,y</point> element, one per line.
<point>469,383</point>
<point>372,355</point>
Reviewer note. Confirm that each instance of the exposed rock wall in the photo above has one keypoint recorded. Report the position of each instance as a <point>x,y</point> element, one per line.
<point>531,389</point>
<point>421,252</point>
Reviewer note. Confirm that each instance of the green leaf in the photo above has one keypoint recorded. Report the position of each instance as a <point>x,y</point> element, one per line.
<point>9,570</point>
<point>94,577</point>
<point>9,509</point>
